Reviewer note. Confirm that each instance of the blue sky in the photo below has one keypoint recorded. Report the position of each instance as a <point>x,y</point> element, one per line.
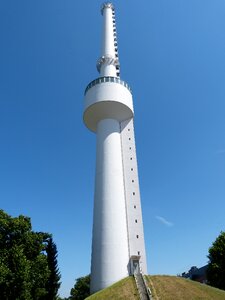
<point>172,54</point>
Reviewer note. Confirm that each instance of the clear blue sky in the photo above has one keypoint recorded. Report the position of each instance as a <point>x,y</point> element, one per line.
<point>172,53</point>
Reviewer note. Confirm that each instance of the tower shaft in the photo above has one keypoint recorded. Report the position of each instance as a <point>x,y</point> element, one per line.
<point>110,240</point>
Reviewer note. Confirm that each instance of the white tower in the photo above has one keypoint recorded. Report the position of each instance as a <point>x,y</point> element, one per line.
<point>118,248</point>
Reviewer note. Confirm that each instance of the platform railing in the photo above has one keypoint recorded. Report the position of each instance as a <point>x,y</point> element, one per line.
<point>107,79</point>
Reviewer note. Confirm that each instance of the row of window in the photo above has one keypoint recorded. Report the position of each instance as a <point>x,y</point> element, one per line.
<point>106,79</point>
<point>137,236</point>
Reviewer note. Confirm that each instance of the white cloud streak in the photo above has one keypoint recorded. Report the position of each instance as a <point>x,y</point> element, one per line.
<point>164,221</point>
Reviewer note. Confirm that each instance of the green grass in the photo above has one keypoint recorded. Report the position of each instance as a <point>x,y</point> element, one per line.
<point>124,289</point>
<point>163,288</point>
<point>177,288</point>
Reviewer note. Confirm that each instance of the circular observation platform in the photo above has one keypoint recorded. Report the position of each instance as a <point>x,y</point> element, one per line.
<point>107,98</point>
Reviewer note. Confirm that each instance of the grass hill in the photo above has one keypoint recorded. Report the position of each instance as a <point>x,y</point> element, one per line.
<point>163,288</point>
<point>121,290</point>
<point>177,288</point>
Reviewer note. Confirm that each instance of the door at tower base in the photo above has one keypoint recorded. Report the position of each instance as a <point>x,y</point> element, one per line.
<point>135,265</point>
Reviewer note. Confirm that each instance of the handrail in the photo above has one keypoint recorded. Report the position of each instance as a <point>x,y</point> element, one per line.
<point>106,79</point>
<point>149,292</point>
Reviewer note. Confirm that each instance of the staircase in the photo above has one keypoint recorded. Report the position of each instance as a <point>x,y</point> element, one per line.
<point>144,291</point>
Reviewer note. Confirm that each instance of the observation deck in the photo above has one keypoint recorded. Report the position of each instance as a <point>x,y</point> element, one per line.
<point>107,97</point>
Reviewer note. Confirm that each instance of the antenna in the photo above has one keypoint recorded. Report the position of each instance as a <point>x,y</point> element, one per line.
<point>108,63</point>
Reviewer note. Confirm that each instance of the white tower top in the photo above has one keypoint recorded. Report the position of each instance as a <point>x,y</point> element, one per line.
<point>108,63</point>
<point>107,97</point>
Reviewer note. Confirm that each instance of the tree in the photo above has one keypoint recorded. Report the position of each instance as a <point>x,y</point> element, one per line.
<point>24,267</point>
<point>53,281</point>
<point>216,267</point>
<point>81,289</point>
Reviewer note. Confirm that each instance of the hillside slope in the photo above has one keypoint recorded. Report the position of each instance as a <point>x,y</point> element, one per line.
<point>177,288</point>
<point>163,288</point>
<point>124,289</point>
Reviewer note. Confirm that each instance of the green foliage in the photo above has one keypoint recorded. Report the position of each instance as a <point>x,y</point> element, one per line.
<point>53,281</point>
<point>216,267</point>
<point>81,289</point>
<point>25,270</point>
